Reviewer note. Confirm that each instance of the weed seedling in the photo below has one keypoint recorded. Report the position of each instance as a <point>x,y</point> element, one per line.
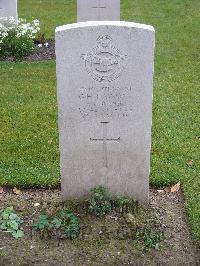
<point>123,203</point>
<point>61,223</point>
<point>10,222</point>
<point>148,238</point>
<point>99,203</point>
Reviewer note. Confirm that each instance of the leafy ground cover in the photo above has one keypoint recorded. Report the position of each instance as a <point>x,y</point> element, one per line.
<point>157,235</point>
<point>29,135</point>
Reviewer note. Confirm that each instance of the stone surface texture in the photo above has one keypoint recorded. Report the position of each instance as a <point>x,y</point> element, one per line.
<point>105,80</point>
<point>8,8</point>
<point>88,10</point>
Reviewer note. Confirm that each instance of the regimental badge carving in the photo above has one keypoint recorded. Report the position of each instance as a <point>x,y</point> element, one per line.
<point>104,62</point>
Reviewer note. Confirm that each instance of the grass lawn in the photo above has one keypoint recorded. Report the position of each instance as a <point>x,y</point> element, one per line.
<point>51,13</point>
<point>29,135</point>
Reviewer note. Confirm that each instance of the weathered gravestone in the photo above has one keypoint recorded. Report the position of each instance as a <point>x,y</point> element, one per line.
<point>8,8</point>
<point>98,10</point>
<point>104,78</point>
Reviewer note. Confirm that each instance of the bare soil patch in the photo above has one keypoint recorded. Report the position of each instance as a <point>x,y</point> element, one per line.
<point>44,52</point>
<point>97,244</point>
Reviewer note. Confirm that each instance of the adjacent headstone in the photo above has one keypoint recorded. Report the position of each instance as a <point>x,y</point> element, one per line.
<point>105,78</point>
<point>97,10</point>
<point>8,9</point>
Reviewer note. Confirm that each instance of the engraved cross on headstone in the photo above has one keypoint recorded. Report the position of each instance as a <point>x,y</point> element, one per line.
<point>105,140</point>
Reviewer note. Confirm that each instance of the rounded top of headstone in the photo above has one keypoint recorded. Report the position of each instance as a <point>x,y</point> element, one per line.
<point>105,23</point>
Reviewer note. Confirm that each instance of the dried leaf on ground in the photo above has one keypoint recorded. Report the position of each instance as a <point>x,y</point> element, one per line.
<point>176,187</point>
<point>16,191</point>
<point>1,190</point>
<point>189,162</point>
<point>167,189</point>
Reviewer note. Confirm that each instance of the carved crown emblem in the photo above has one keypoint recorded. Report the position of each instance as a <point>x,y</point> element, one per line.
<point>104,62</point>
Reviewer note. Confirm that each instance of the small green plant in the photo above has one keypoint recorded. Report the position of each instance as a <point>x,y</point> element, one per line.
<point>10,222</point>
<point>61,223</point>
<point>70,224</point>
<point>42,225</point>
<point>40,38</point>
<point>2,253</point>
<point>17,38</point>
<point>99,203</point>
<point>148,238</point>
<point>123,203</point>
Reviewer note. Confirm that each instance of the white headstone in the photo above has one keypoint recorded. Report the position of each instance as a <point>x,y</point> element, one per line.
<point>104,79</point>
<point>97,10</point>
<point>8,8</point>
